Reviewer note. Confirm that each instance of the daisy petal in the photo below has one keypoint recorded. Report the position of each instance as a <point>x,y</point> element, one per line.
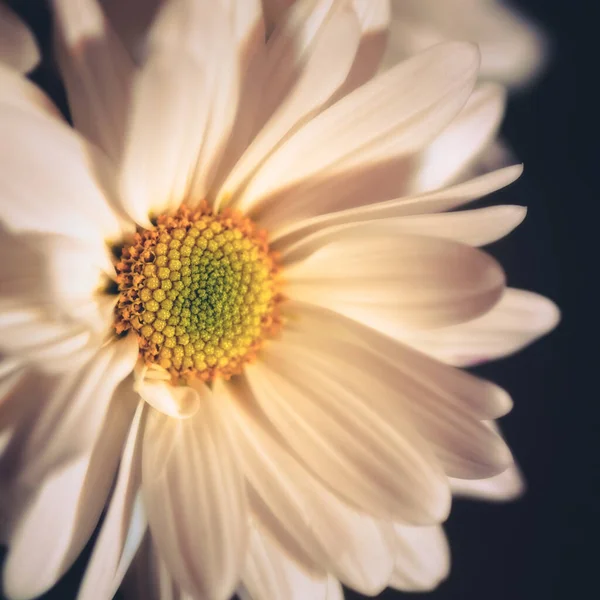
<point>16,90</point>
<point>374,18</point>
<point>396,283</point>
<point>477,227</point>
<point>292,505</point>
<point>184,102</point>
<point>43,547</point>
<point>307,60</point>
<point>373,124</point>
<point>97,71</point>
<point>464,445</point>
<point>70,422</point>
<point>18,48</point>
<point>194,496</point>
<point>463,141</point>
<point>504,487</point>
<point>51,202</point>
<point>433,202</point>
<point>422,558</point>
<point>345,441</point>
<point>176,402</point>
<point>123,527</point>
<point>269,574</point>
<point>519,318</point>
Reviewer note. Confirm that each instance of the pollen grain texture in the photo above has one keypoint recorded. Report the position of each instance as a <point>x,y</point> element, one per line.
<point>200,290</point>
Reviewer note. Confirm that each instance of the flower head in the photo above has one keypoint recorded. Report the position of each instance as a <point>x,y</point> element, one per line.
<point>232,284</point>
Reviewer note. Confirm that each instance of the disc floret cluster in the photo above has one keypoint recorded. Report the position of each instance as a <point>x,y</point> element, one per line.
<point>201,292</point>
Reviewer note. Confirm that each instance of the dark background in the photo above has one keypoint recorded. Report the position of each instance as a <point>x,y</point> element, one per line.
<point>544,545</point>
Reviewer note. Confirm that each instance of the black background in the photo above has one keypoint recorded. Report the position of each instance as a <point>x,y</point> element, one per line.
<point>544,545</point>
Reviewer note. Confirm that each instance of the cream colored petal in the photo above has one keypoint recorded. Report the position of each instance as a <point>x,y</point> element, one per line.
<point>123,526</point>
<point>519,319</point>
<point>506,486</point>
<point>374,17</point>
<point>433,202</point>
<point>458,389</point>
<point>477,227</point>
<point>16,90</point>
<point>375,119</point>
<point>97,71</point>
<point>308,58</point>
<point>464,445</point>
<point>195,500</point>
<point>18,48</point>
<point>387,471</point>
<point>178,402</point>
<point>513,50</point>
<point>58,521</point>
<point>463,141</point>
<point>63,197</point>
<point>396,283</point>
<point>298,511</point>
<point>71,412</point>
<point>183,103</point>
<point>269,574</point>
<point>422,558</point>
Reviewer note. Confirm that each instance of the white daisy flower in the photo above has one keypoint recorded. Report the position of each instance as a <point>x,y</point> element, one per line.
<point>18,48</point>
<point>231,304</point>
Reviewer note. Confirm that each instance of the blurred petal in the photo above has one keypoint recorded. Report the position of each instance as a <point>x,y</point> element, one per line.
<point>506,486</point>
<point>518,320</point>
<point>97,71</point>
<point>123,526</point>
<point>18,48</point>
<point>422,558</point>
<point>463,141</point>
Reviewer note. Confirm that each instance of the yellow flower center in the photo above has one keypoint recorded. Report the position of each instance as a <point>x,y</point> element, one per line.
<point>201,292</point>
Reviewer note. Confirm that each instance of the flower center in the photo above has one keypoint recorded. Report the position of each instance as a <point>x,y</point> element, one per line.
<point>201,292</point>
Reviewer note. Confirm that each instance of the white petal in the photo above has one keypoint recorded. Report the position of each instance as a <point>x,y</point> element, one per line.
<point>433,202</point>
<point>374,17</point>
<point>513,49</point>
<point>477,227</point>
<point>465,446</point>
<point>298,510</point>
<point>519,319</point>
<point>97,71</point>
<point>69,414</point>
<point>18,48</point>
<point>195,500</point>
<point>61,517</point>
<point>372,124</point>
<point>268,574</point>
<point>396,283</point>
<point>386,470</point>
<point>123,526</point>
<point>16,90</point>
<point>307,60</point>
<point>183,104</point>
<point>63,197</point>
<point>508,485</point>
<point>463,141</point>
<point>422,558</point>
<point>179,402</point>
<point>483,399</point>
